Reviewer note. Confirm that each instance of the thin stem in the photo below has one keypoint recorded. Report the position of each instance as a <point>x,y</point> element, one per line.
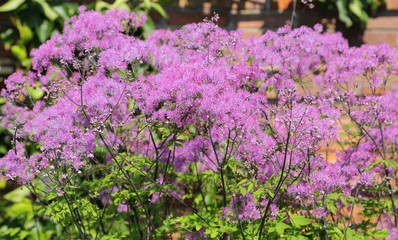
<point>293,13</point>
<point>280,182</point>
<point>200,186</point>
<point>128,179</point>
<point>34,210</point>
<point>220,168</point>
<point>351,214</point>
<point>72,212</point>
<point>137,223</point>
<point>390,189</point>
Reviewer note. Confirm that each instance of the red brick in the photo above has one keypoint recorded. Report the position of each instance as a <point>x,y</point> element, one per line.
<point>392,4</point>
<point>262,20</point>
<point>392,81</point>
<point>252,33</point>
<point>284,4</point>
<point>383,22</point>
<point>181,18</point>
<point>4,52</point>
<point>250,24</point>
<point>251,5</point>
<point>374,37</point>
<point>377,91</point>
<point>287,5</point>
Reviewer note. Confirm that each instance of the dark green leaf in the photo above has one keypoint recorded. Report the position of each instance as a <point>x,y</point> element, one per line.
<point>45,30</point>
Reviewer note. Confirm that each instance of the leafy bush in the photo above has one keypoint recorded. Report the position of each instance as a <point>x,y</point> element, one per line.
<point>199,133</point>
<point>34,21</point>
<point>353,13</point>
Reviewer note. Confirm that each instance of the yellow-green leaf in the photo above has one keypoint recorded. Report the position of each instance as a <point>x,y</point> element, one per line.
<point>299,221</point>
<point>158,8</point>
<point>19,52</point>
<point>17,195</point>
<point>11,5</point>
<point>48,11</point>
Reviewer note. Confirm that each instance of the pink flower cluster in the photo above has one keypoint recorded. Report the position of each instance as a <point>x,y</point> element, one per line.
<point>271,103</point>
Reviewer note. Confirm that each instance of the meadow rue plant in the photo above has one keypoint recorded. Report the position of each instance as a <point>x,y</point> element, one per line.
<point>200,133</point>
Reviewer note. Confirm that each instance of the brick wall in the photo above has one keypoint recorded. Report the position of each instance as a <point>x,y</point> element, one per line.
<point>254,17</point>
<point>384,27</point>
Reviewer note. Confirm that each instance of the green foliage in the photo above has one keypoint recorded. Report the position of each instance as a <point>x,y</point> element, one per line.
<point>34,21</point>
<point>50,211</point>
<point>124,194</point>
<point>353,12</point>
<point>20,218</point>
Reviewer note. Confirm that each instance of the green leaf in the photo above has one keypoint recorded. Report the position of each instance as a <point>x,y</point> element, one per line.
<point>2,100</point>
<point>2,183</point>
<point>158,8</point>
<point>358,10</point>
<point>298,237</point>
<point>62,12</point>
<point>147,4</point>
<point>17,195</point>
<point>271,193</point>
<point>343,14</point>
<point>19,52</point>
<point>7,38</point>
<point>120,4</point>
<point>299,221</point>
<point>334,196</point>
<point>13,231</point>
<point>20,208</point>
<point>48,11</point>
<point>149,25</point>
<point>280,227</point>
<point>27,62</point>
<point>23,234</point>
<point>44,31</point>
<point>250,186</point>
<point>36,93</point>
<point>332,208</point>
<point>383,233</point>
<point>212,232</point>
<point>338,232</point>
<point>25,33</point>
<point>349,234</point>
<point>243,191</point>
<point>66,10</point>
<point>11,5</point>
<point>343,200</point>
<point>100,5</point>
<point>241,182</point>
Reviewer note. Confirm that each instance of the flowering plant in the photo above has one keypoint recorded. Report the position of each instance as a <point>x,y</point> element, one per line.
<point>199,133</point>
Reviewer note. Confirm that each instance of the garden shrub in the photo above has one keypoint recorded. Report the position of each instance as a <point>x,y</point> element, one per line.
<point>199,133</point>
